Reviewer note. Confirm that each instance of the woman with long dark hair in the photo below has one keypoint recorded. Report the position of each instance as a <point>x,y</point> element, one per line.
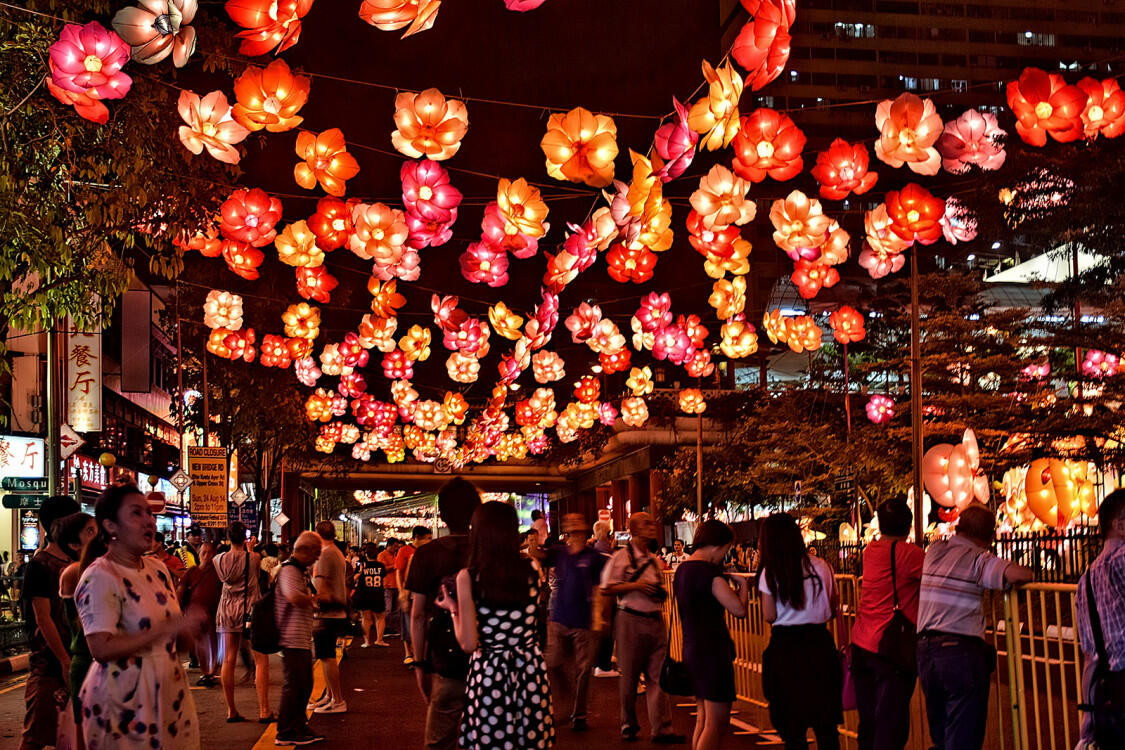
<point>703,596</point>
<point>495,617</point>
<point>801,674</point>
<point>74,533</point>
<point>136,695</point>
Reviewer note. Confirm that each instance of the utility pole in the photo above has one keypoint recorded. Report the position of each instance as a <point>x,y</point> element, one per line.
<point>54,391</point>
<point>916,399</point>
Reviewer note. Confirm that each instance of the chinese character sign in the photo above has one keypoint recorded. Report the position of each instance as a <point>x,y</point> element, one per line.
<point>84,380</point>
<point>207,467</point>
<point>22,457</point>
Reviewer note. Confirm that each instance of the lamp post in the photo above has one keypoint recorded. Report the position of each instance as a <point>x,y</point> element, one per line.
<point>916,399</point>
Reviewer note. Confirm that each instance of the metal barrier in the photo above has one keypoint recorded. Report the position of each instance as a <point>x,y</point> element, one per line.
<point>1036,686</point>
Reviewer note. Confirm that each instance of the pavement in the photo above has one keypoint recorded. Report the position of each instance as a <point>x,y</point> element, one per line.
<point>386,710</point>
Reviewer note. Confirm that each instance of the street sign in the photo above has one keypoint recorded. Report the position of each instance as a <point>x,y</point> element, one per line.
<point>238,497</point>
<point>797,490</point>
<point>844,483</point>
<point>281,519</point>
<point>69,441</point>
<point>180,480</point>
<point>19,484</point>
<point>20,502</point>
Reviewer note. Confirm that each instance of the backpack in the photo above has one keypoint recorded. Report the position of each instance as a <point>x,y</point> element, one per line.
<point>265,635</point>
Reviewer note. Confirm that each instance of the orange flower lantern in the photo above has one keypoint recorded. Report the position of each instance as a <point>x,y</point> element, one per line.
<point>416,343</point>
<point>455,406</point>
<point>332,223</point>
<point>699,365</point>
<point>296,246</point>
<point>428,125</point>
<point>268,23</point>
<point>547,367</point>
<point>804,334</point>
<point>801,228</point>
<point>390,15</point>
<point>768,143</point>
<point>587,389</point>
<point>908,129</point>
<point>385,299</point>
<point>316,284</point>
<point>692,401</point>
<point>721,199</point>
<point>462,368</point>
<point>378,332</point>
<point>318,406</point>
<point>505,322</point>
<point>738,263</point>
<point>524,212</point>
<point>776,326</point>
<point>1053,489</point>
<point>210,126</point>
<point>842,170</point>
<point>835,250</point>
<point>640,381</point>
<point>270,97</point>
<point>380,232</point>
<point>728,297</point>
<point>326,160</point>
<point>615,361</point>
<point>810,276</point>
<point>883,241</point>
<point>1104,112</point>
<point>715,116</point>
<point>847,325</point>
<point>915,214</point>
<point>580,147</point>
<point>634,411</point>
<point>642,337</point>
<point>1044,104</point>
<point>242,259</point>
<point>762,46</point>
<point>216,343</point>
<point>301,321</point>
<point>738,339</point>
<point>717,242</point>
<point>331,361</point>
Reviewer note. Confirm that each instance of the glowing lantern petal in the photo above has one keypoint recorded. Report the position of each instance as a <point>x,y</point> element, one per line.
<point>842,170</point>
<point>326,160</point>
<point>1044,104</point>
<point>428,125</point>
<point>270,97</point>
<point>580,147</point>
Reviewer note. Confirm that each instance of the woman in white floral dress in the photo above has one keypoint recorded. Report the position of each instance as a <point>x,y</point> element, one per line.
<point>136,694</point>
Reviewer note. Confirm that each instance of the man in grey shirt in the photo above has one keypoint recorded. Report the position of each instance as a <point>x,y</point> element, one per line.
<point>332,617</point>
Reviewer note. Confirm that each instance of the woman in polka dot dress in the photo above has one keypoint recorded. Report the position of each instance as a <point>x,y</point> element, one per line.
<point>494,602</point>
<point>136,695</point>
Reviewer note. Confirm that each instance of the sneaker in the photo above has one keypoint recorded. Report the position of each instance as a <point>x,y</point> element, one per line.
<point>365,644</point>
<point>606,673</point>
<point>669,739</point>
<point>408,660</point>
<point>300,739</point>
<point>323,700</point>
<point>629,734</point>
<point>332,707</point>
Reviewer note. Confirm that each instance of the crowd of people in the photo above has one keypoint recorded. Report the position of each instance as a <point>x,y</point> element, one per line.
<point>505,630</point>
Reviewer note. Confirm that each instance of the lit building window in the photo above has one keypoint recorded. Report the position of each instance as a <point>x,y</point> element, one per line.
<point>910,83</point>
<point>855,30</point>
<point>959,85</point>
<point>931,84</point>
<point>1035,39</point>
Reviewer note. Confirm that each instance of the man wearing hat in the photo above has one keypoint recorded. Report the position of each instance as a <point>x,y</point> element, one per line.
<point>189,553</point>
<point>571,643</point>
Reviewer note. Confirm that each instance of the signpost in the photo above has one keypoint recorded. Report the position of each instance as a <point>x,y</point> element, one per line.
<point>69,442</point>
<point>19,484</point>
<point>207,467</point>
<point>21,502</point>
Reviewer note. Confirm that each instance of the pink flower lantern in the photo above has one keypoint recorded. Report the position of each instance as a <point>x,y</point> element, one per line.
<point>1099,364</point>
<point>485,264</point>
<point>879,265</point>
<point>306,371</point>
<point>675,144</point>
<point>880,409</point>
<point>501,234</point>
<point>88,60</point>
<point>672,343</point>
<point>397,366</point>
<point>547,367</point>
<point>426,191</point>
<point>583,321</point>
<point>655,312</point>
<point>352,385</point>
<point>1036,371</point>
<point>973,138</point>
<point>607,414</point>
<point>425,233</point>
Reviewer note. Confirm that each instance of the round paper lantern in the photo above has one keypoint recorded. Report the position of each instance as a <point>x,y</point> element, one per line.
<point>915,214</point>
<point>210,126</point>
<point>847,325</point>
<point>768,143</point>
<point>721,199</point>
<point>951,473</point>
<point>250,216</point>
<point>908,128</point>
<point>87,61</point>
<point>1104,113</point>
<point>801,227</point>
<point>427,125</point>
<point>580,147</point>
<point>715,116</point>
<point>107,460</point>
<point>1044,104</point>
<point>270,97</point>
<point>762,46</point>
<point>880,409</point>
<point>973,138</point>
<point>222,310</point>
<point>268,24</point>
<point>692,401</point>
<point>157,29</point>
<point>326,161</point>
<point>842,170</point>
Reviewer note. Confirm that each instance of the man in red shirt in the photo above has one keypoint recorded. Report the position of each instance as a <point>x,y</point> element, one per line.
<point>390,584</point>
<point>883,688</point>
<point>419,536</point>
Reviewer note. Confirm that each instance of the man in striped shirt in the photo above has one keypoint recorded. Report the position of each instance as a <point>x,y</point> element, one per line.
<point>296,602</point>
<point>954,661</point>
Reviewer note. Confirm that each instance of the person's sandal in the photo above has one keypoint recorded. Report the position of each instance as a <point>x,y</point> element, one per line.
<point>267,719</point>
<point>235,719</point>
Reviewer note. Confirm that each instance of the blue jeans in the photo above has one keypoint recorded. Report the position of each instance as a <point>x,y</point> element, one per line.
<point>955,671</point>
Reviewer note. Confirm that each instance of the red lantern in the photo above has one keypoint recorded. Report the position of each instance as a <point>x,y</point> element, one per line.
<point>1104,112</point>
<point>630,264</point>
<point>762,46</point>
<point>1045,105</point>
<point>250,216</point>
<point>847,325</point>
<point>715,242</point>
<point>268,23</point>
<point>915,214</point>
<point>274,352</point>
<point>332,223</point>
<point>315,283</point>
<point>842,169</point>
<point>587,389</point>
<point>699,365</point>
<point>655,312</point>
<point>768,143</point>
<point>485,264</point>
<point>242,259</point>
<point>811,276</point>
<point>618,361</point>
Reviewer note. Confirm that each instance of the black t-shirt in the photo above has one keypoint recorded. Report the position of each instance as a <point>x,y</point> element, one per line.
<point>41,579</point>
<point>370,577</point>
<point>429,566</point>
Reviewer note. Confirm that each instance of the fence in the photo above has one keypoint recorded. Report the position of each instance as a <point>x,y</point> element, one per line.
<point>1054,556</point>
<point>1035,687</point>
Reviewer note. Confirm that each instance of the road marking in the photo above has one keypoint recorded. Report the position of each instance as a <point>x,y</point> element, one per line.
<point>10,688</point>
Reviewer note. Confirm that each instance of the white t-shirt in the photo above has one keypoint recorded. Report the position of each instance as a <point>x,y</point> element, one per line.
<point>818,608</point>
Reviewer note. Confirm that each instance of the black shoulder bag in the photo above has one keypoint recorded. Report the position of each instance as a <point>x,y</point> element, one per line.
<point>246,597</point>
<point>899,641</point>
<point>675,679</point>
<point>1107,694</point>
<point>265,634</point>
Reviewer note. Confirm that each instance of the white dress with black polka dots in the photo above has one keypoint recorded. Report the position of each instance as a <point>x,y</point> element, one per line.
<point>508,696</point>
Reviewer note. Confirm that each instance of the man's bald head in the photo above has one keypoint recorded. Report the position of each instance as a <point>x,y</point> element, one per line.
<point>642,526</point>
<point>307,547</point>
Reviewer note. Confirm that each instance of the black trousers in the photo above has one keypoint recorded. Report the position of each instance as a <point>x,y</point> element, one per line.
<point>956,674</point>
<point>883,693</point>
<point>295,693</point>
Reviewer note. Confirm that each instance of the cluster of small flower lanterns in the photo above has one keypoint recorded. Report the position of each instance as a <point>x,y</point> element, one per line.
<point>580,147</point>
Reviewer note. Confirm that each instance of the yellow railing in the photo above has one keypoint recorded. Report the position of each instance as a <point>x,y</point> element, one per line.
<point>1036,686</point>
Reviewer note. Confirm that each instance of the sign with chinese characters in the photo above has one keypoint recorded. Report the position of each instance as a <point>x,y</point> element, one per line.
<point>84,380</point>
<point>207,467</point>
<point>22,457</point>
<point>93,474</point>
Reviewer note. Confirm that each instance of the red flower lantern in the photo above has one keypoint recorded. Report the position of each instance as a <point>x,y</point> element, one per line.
<point>915,214</point>
<point>426,191</point>
<point>397,366</point>
<point>633,264</point>
<point>587,389</point>
<point>842,169</point>
<point>268,23</point>
<point>315,283</point>
<point>692,401</point>
<point>250,216</point>
<point>1104,112</point>
<point>811,276</point>
<point>274,352</point>
<point>655,312</point>
<point>847,325</point>
<point>618,361</point>
<point>699,365</point>
<point>1045,105</point>
<point>673,344</point>
<point>768,143</point>
<point>716,242</point>
<point>762,46</point>
<point>242,259</point>
<point>270,97</point>
<point>332,223</point>
<point>485,264</point>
